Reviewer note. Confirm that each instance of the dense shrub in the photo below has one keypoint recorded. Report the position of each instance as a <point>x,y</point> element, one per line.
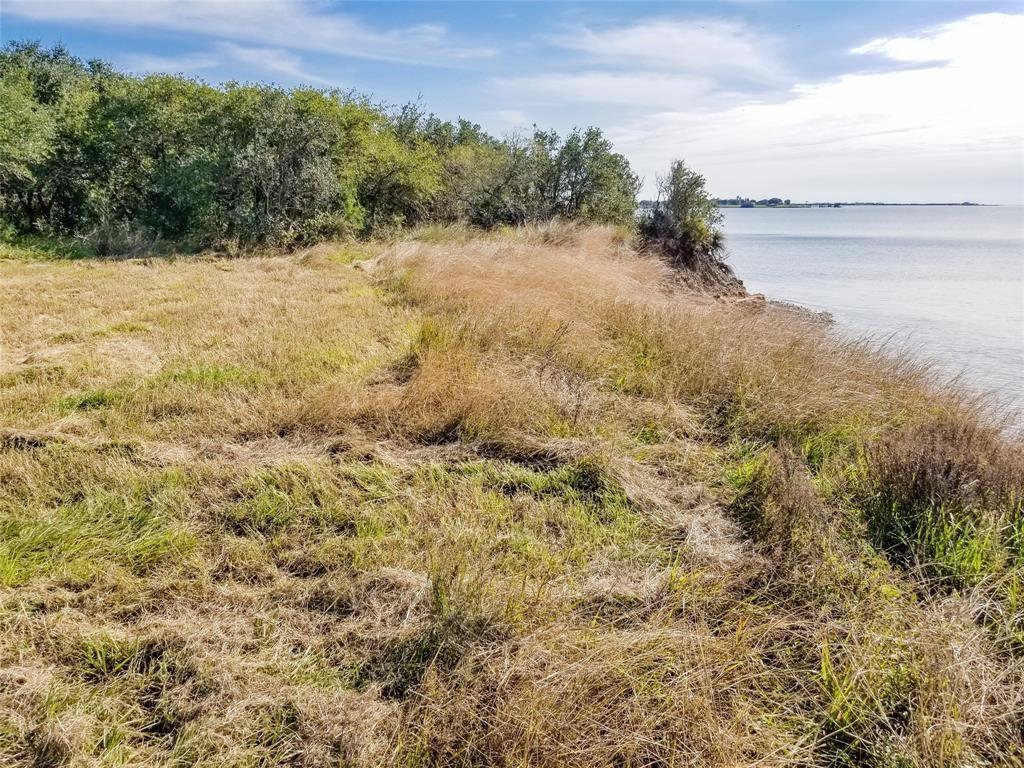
<point>685,227</point>
<point>89,152</point>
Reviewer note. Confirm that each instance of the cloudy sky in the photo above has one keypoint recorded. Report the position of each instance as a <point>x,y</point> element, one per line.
<point>897,102</point>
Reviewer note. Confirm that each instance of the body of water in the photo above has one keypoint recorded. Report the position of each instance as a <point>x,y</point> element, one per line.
<point>946,282</point>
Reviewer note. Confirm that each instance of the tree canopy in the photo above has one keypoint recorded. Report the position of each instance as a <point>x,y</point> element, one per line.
<point>91,152</point>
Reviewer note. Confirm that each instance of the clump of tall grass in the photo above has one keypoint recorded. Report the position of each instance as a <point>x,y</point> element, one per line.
<point>946,497</point>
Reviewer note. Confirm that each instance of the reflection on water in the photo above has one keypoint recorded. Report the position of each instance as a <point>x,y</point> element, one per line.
<point>944,282</point>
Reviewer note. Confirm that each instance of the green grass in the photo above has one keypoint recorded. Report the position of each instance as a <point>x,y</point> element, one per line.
<point>40,248</point>
<point>103,657</point>
<point>80,540</point>
<point>91,400</point>
<point>950,545</point>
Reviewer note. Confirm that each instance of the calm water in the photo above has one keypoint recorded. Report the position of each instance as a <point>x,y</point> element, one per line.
<point>944,282</point>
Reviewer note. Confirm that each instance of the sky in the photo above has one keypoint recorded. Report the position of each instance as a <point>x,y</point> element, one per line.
<point>812,101</point>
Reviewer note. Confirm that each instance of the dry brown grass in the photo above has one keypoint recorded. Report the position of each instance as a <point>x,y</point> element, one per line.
<point>516,499</point>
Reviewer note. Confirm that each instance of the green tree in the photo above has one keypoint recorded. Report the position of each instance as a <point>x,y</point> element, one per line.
<point>685,219</point>
<point>399,179</point>
<point>26,129</point>
<point>581,178</point>
<point>45,92</point>
<point>685,226</point>
<point>275,163</point>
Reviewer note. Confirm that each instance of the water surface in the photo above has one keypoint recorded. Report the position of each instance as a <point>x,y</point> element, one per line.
<point>945,282</point>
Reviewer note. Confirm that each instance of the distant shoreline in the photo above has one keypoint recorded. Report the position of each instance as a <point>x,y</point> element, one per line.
<point>732,202</point>
<point>850,205</point>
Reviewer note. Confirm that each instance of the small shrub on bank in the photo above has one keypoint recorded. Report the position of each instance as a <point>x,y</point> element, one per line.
<point>685,227</point>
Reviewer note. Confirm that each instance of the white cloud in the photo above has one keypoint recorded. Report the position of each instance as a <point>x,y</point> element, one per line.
<point>280,24</point>
<point>709,46</point>
<point>950,128</point>
<point>634,89</point>
<point>981,40</point>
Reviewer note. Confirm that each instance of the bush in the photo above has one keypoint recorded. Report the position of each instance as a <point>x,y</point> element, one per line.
<point>685,226</point>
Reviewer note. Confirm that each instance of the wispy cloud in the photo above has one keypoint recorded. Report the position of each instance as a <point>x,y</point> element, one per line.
<point>713,47</point>
<point>277,24</point>
<point>256,60</point>
<point>633,89</point>
<point>693,64</point>
<point>188,63</point>
<point>982,40</point>
<point>276,61</point>
<point>505,121</point>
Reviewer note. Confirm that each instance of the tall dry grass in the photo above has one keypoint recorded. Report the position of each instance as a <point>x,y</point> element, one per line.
<point>515,499</point>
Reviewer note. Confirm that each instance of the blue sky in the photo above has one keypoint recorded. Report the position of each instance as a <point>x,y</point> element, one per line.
<point>809,100</point>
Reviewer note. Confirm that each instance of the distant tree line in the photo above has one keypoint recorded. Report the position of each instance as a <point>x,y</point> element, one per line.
<point>749,202</point>
<point>90,152</point>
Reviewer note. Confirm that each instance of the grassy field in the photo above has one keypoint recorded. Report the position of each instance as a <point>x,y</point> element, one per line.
<point>505,500</point>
